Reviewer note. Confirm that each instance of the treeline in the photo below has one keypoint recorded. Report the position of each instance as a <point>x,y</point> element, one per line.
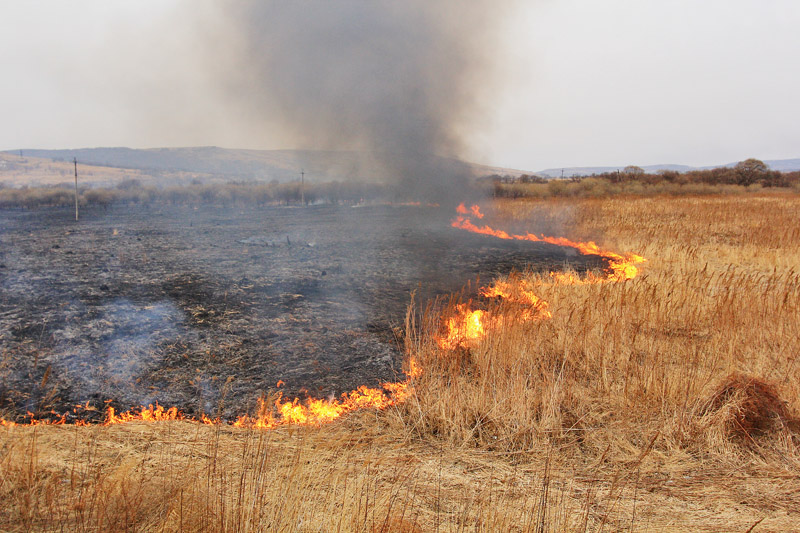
<point>749,175</point>
<point>132,192</point>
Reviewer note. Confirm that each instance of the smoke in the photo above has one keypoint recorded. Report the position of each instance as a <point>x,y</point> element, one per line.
<point>402,84</point>
<point>113,345</point>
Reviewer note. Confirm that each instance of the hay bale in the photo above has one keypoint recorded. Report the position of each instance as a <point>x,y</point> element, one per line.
<point>748,407</point>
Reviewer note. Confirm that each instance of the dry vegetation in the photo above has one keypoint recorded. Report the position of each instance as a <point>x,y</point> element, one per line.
<point>132,192</point>
<point>30,183</point>
<point>667,402</point>
<point>37,172</point>
<point>751,175</point>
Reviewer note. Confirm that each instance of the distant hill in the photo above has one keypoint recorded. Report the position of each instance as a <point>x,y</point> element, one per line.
<point>211,163</point>
<point>255,165</point>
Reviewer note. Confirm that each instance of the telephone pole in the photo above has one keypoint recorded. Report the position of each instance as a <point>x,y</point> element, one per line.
<point>303,186</point>
<point>75,161</point>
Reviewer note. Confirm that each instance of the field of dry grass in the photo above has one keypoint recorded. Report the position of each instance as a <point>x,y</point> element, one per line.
<point>668,402</point>
<point>25,171</point>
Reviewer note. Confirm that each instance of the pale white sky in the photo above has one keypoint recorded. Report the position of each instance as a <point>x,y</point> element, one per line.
<point>584,82</point>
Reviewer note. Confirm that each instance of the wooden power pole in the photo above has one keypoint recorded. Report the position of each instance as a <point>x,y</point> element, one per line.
<point>75,161</point>
<point>303,186</point>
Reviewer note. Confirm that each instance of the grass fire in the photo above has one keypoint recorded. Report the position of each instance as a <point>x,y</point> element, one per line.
<point>318,286</point>
<point>595,398</point>
<point>466,326</point>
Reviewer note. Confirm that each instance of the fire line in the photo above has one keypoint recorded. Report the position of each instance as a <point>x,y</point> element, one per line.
<point>468,326</point>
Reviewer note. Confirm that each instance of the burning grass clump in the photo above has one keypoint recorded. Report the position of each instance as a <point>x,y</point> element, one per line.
<point>486,389</point>
<point>746,408</point>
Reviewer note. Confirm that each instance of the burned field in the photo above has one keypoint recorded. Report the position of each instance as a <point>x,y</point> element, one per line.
<point>208,308</point>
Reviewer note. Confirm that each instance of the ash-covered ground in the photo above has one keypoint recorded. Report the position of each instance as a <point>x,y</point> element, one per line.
<point>207,308</point>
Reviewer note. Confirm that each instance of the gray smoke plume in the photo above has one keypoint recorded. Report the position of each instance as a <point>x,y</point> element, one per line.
<point>398,82</point>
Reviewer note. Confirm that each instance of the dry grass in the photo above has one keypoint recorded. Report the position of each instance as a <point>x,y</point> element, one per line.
<point>351,476</point>
<point>718,295</point>
<point>668,402</point>
<point>16,171</point>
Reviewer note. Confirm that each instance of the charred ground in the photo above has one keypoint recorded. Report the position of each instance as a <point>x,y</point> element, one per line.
<point>207,308</point>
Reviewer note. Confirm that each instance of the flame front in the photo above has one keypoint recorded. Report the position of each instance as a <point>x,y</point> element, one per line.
<point>320,411</point>
<point>146,414</point>
<point>469,325</point>
<point>464,328</point>
<point>620,267</point>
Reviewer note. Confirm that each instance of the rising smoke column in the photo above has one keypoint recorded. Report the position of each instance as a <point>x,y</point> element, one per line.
<point>395,81</point>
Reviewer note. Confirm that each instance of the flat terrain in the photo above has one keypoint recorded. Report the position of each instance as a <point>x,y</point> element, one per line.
<point>667,402</point>
<point>208,308</point>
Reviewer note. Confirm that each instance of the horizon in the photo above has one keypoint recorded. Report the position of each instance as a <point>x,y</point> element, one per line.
<point>15,151</point>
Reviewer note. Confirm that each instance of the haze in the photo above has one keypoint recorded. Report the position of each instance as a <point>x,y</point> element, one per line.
<point>565,83</point>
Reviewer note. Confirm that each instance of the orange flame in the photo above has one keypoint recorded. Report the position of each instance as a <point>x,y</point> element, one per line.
<point>146,414</point>
<point>475,210</point>
<point>285,412</point>
<point>620,268</point>
<point>320,411</point>
<point>463,328</point>
<point>468,326</point>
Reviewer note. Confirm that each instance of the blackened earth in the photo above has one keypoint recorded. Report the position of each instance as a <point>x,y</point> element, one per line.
<point>207,308</point>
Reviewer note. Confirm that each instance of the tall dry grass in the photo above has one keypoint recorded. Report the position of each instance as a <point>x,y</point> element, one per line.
<point>619,363</point>
<point>352,476</point>
<point>667,402</point>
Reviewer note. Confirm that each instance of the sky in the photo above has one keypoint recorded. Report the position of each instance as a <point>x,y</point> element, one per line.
<point>573,82</point>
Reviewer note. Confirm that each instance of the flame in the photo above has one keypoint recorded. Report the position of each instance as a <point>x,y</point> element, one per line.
<point>312,411</point>
<point>56,420</point>
<point>469,326</point>
<point>531,307</point>
<point>515,292</point>
<point>475,210</point>
<point>463,328</point>
<point>146,414</point>
<point>620,267</point>
<point>319,411</point>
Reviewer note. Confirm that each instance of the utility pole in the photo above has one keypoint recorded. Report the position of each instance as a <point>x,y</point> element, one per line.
<point>75,161</point>
<point>303,186</point>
